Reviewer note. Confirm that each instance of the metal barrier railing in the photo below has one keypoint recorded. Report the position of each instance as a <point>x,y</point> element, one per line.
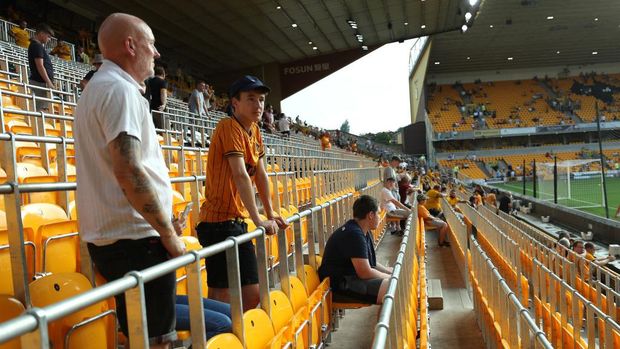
<point>394,316</point>
<point>6,26</point>
<point>516,326</point>
<point>572,274</point>
<point>565,314</point>
<point>33,324</point>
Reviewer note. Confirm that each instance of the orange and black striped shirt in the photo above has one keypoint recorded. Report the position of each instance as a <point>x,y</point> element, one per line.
<point>222,200</point>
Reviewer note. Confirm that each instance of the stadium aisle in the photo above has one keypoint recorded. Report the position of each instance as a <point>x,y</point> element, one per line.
<point>357,327</point>
<point>455,326</point>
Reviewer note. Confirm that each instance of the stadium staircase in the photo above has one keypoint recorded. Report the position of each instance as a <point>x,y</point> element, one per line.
<point>483,167</point>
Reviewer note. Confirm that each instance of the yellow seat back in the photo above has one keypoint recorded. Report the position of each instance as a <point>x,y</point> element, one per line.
<point>312,278</point>
<point>258,329</point>
<point>10,308</point>
<point>224,341</point>
<point>281,310</point>
<point>298,295</point>
<point>57,287</point>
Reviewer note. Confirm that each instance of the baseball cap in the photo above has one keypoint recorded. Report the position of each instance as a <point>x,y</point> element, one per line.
<point>247,83</point>
<point>396,158</point>
<point>98,58</point>
<point>421,197</point>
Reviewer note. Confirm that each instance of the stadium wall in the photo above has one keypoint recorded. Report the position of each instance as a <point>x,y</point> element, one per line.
<point>525,73</point>
<point>605,230</point>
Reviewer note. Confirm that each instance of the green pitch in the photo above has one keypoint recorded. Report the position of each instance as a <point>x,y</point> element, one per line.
<point>584,192</point>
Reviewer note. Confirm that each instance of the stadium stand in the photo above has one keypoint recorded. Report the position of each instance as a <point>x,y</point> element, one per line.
<point>312,188</point>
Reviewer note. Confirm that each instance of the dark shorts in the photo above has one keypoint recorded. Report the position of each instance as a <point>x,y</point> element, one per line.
<point>115,260</point>
<point>435,212</point>
<point>217,270</point>
<point>354,288</point>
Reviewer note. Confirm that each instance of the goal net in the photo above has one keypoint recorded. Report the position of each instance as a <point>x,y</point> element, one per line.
<point>579,183</point>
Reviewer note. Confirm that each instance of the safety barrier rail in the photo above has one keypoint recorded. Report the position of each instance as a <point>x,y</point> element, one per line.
<point>405,302</point>
<point>575,279</point>
<point>565,314</point>
<point>504,324</point>
<point>33,325</point>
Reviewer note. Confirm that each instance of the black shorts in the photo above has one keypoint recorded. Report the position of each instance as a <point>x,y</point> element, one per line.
<point>434,212</point>
<point>217,270</point>
<point>115,260</point>
<point>356,289</point>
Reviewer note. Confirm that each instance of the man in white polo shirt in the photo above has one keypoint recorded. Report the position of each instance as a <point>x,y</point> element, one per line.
<point>123,191</point>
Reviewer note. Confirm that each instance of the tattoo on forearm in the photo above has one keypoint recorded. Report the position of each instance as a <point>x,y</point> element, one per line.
<point>129,149</point>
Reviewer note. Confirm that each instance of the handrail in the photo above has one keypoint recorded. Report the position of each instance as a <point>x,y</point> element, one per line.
<point>382,327</point>
<point>36,318</point>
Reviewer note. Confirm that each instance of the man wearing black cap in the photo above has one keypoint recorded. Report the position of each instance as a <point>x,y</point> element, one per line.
<point>41,69</point>
<point>235,162</point>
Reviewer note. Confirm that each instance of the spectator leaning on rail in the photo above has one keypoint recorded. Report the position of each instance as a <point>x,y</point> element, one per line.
<point>236,159</point>
<point>123,190</point>
<point>62,50</point>
<point>20,34</point>
<point>41,69</point>
<point>349,259</point>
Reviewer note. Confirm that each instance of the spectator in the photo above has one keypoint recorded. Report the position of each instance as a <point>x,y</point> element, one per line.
<point>349,259</point>
<point>20,34</point>
<point>491,198</point>
<point>268,121</point>
<point>505,202</point>
<point>441,226</point>
<point>236,159</point>
<point>158,95</point>
<point>391,204</point>
<point>208,95</point>
<point>62,50</point>
<point>41,69</point>
<point>82,56</point>
<point>284,125</point>
<point>196,101</point>
<point>157,87</point>
<point>589,247</point>
<point>453,200</point>
<point>124,193</point>
<point>432,203</point>
<point>405,190</point>
<point>390,171</point>
<point>97,62</point>
<point>216,314</point>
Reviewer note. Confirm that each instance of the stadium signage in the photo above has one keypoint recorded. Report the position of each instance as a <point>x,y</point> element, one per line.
<point>486,133</point>
<point>307,68</point>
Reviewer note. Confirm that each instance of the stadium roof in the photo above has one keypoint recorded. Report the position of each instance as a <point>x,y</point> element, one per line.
<point>534,33</point>
<point>227,35</point>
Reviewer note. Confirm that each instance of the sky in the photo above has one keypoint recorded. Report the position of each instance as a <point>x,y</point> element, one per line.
<point>372,93</point>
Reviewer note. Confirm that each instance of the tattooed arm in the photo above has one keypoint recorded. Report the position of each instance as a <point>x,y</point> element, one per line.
<point>137,187</point>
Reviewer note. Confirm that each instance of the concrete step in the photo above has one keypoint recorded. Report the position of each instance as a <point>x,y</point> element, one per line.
<point>435,294</point>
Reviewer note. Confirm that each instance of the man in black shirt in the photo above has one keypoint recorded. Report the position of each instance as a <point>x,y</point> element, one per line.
<point>157,95</point>
<point>41,69</point>
<point>349,259</point>
<point>505,202</point>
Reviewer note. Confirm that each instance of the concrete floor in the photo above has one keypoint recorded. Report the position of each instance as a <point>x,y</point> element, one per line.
<point>453,327</point>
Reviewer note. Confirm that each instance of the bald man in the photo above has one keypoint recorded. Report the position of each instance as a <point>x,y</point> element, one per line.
<point>124,194</point>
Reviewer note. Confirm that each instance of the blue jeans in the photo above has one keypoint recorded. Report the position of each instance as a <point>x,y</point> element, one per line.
<point>217,316</point>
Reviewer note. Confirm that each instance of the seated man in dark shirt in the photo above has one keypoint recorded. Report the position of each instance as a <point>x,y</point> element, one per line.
<point>349,259</point>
